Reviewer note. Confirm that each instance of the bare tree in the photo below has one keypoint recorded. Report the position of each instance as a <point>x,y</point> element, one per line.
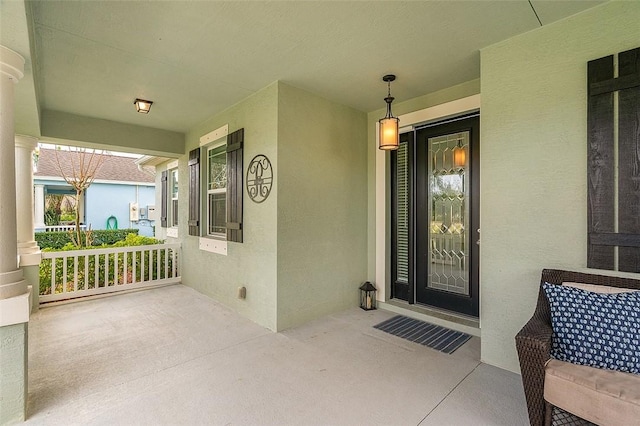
<point>80,171</point>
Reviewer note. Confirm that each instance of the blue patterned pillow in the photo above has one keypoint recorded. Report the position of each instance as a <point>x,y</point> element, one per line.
<point>595,329</point>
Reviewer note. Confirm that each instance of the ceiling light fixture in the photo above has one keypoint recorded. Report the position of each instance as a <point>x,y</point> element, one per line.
<point>388,137</point>
<point>142,106</point>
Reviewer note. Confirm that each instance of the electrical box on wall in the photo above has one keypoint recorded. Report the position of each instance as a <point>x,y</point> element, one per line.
<point>143,213</point>
<point>134,212</point>
<point>152,213</point>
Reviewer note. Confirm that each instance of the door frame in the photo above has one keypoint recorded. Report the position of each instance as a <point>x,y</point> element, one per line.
<point>382,260</point>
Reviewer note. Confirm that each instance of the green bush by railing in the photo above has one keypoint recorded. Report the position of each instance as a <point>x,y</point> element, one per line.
<point>57,240</point>
<point>89,282</point>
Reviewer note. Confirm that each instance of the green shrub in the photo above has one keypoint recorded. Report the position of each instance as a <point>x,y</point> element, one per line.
<point>51,217</point>
<point>136,240</point>
<point>111,236</point>
<point>87,278</point>
<point>57,240</point>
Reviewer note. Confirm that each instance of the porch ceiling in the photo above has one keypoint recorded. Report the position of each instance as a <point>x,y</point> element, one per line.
<point>194,59</point>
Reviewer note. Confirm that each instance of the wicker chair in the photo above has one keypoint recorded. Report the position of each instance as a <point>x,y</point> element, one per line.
<point>533,342</point>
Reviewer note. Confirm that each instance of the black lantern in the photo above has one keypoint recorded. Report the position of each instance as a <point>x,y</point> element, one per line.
<point>367,296</point>
<point>389,137</point>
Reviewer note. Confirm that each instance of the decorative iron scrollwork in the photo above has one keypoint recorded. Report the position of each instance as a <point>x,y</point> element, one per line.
<point>259,178</point>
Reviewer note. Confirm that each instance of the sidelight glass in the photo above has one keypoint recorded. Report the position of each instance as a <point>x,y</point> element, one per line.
<point>402,213</point>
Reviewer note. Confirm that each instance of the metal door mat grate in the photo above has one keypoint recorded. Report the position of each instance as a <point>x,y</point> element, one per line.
<point>431,335</point>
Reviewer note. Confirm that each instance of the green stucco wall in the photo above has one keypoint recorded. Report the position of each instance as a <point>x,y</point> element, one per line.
<point>304,249</point>
<point>322,206</point>
<point>252,263</point>
<point>13,373</point>
<point>533,162</point>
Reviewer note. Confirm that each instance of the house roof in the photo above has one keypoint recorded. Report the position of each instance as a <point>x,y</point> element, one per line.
<point>114,168</point>
<point>195,59</point>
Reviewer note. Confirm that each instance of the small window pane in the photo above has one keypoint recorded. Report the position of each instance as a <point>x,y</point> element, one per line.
<point>174,184</point>
<point>217,213</point>
<point>217,168</point>
<point>174,212</point>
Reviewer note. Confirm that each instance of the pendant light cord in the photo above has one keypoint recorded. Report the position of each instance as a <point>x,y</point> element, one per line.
<point>388,100</point>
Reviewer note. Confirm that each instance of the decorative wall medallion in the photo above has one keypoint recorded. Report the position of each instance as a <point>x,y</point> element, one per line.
<point>259,178</point>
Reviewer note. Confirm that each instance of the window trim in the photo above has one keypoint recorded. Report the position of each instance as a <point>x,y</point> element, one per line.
<point>172,217</point>
<point>163,198</point>
<point>234,210</point>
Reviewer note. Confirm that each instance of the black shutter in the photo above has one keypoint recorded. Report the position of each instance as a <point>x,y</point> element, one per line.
<point>163,203</point>
<point>628,163</point>
<point>602,212</point>
<point>194,192</point>
<point>600,166</point>
<point>235,142</point>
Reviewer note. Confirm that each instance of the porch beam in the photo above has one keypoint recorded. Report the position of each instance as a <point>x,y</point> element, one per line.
<point>71,129</point>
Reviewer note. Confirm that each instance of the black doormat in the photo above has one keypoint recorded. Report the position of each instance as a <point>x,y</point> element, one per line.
<point>431,335</point>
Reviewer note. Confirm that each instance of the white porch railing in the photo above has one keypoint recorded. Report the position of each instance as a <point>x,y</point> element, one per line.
<point>61,228</point>
<point>79,273</point>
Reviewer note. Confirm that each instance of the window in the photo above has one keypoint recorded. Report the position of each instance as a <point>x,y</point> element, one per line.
<point>169,199</point>
<point>173,208</point>
<point>216,210</point>
<point>222,187</point>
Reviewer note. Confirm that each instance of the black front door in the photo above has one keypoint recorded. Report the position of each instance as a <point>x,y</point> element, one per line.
<point>435,216</point>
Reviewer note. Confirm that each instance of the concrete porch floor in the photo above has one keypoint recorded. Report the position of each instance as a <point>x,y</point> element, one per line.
<point>174,356</point>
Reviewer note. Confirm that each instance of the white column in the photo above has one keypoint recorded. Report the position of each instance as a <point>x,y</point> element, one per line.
<point>28,249</point>
<point>81,207</point>
<point>39,206</point>
<point>14,297</point>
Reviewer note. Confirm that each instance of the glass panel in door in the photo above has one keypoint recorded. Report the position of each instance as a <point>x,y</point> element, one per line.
<point>448,203</point>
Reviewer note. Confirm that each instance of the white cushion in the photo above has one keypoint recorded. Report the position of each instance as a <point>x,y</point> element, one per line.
<point>603,397</point>
<point>594,288</point>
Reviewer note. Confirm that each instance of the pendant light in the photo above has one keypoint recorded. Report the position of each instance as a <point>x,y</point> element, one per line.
<point>388,138</point>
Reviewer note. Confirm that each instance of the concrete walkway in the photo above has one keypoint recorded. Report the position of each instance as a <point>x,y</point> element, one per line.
<point>173,356</point>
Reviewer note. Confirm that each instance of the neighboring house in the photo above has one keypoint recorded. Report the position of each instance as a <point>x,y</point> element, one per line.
<point>121,194</point>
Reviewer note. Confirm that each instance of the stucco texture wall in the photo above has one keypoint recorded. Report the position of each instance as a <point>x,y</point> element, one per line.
<point>13,373</point>
<point>533,162</point>
<point>322,206</point>
<point>252,263</point>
